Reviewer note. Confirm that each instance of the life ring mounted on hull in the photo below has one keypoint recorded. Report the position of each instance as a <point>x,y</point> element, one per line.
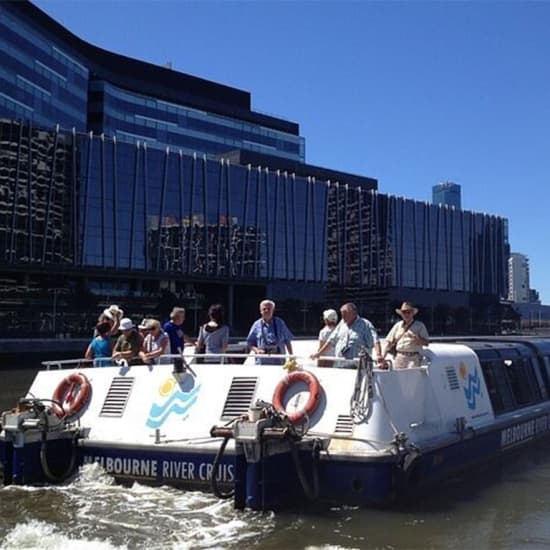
<point>71,395</point>
<point>315,392</point>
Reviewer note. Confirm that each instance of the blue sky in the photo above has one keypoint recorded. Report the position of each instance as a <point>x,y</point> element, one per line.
<point>411,93</point>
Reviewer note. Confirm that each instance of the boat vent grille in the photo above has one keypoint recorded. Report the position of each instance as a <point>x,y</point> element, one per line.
<point>239,397</point>
<point>452,378</point>
<point>344,424</point>
<point>117,396</point>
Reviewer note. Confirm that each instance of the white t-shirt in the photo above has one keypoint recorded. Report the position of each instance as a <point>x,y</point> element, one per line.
<point>324,335</point>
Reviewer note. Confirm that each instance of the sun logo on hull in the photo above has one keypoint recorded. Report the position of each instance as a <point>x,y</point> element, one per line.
<point>175,402</point>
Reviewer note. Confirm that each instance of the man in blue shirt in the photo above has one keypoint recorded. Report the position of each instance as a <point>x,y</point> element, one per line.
<point>174,329</point>
<point>269,335</point>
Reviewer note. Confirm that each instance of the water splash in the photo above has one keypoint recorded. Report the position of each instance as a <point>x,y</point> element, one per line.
<point>46,536</point>
<point>94,510</point>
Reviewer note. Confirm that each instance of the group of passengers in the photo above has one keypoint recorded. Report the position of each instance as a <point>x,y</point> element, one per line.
<point>353,333</point>
<point>343,339</point>
<point>117,339</point>
<point>268,336</point>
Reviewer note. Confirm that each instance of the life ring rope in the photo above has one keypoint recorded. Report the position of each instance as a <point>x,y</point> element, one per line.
<point>71,394</point>
<point>315,392</point>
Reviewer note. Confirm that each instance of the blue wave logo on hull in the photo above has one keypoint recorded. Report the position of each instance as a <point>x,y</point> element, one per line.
<point>178,403</point>
<point>473,389</point>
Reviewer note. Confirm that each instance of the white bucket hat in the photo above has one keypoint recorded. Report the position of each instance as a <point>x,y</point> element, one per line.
<point>126,324</point>
<point>330,315</point>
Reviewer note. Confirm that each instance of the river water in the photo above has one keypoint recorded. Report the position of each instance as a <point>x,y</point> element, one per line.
<point>504,507</point>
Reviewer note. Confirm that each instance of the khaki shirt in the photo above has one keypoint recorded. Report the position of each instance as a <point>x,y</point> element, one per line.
<point>406,341</point>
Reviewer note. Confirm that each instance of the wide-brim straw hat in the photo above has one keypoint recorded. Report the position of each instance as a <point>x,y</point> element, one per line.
<point>406,306</point>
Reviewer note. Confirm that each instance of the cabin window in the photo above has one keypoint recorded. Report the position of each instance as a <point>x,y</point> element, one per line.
<point>546,372</point>
<point>541,375</point>
<point>522,380</point>
<point>500,392</point>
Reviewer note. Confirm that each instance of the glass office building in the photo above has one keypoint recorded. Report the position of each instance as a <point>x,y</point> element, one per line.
<point>447,193</point>
<point>94,202</point>
<point>51,77</point>
<point>170,189</point>
<point>131,116</point>
<point>39,81</point>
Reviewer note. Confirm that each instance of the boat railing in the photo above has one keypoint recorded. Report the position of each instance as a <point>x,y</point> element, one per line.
<point>289,361</point>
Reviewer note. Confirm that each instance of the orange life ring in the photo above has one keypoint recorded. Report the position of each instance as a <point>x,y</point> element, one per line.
<point>314,388</point>
<point>71,395</point>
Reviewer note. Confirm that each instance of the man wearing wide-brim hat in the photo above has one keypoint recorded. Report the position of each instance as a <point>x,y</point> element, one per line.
<point>406,338</point>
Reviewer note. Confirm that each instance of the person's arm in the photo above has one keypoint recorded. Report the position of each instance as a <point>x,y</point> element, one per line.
<point>332,337</point>
<point>322,348</point>
<point>225,341</point>
<point>375,343</point>
<point>378,352</point>
<point>114,328</point>
<point>388,340</point>
<point>200,340</point>
<point>89,354</point>
<point>116,350</point>
<point>160,351</point>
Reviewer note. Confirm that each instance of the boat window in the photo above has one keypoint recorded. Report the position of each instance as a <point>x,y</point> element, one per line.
<point>522,380</point>
<point>546,372</point>
<point>500,391</point>
<point>540,371</point>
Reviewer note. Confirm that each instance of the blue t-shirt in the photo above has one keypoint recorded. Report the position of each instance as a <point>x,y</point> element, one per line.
<point>101,351</point>
<point>176,335</point>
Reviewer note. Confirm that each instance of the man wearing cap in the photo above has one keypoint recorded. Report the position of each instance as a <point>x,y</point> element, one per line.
<point>352,334</point>
<point>406,338</point>
<point>129,342</point>
<point>155,343</point>
<point>330,317</point>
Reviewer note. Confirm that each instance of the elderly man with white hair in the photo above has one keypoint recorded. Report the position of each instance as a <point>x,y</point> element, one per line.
<point>269,335</point>
<point>351,335</point>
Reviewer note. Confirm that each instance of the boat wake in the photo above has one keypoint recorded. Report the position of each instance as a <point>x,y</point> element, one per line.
<point>94,512</point>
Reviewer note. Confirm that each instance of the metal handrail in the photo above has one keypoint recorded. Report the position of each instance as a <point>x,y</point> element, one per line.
<point>83,362</point>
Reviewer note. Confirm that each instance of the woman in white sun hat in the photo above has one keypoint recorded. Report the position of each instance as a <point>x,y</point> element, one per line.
<point>112,315</point>
<point>330,318</point>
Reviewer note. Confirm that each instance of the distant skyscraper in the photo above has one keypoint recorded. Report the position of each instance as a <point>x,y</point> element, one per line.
<point>446,193</point>
<point>518,278</point>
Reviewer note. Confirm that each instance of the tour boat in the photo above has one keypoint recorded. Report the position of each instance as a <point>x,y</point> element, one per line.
<point>277,436</point>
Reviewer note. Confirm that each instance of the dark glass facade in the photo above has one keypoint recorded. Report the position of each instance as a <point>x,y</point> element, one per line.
<point>39,81</point>
<point>380,241</point>
<point>131,116</point>
<point>447,193</point>
<point>86,202</point>
<point>166,212</point>
<point>37,214</point>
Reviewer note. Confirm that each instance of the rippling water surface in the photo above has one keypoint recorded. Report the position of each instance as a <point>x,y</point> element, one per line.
<point>504,507</point>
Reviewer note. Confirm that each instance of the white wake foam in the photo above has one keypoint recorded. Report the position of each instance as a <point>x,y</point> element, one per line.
<point>115,516</point>
<point>39,534</point>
